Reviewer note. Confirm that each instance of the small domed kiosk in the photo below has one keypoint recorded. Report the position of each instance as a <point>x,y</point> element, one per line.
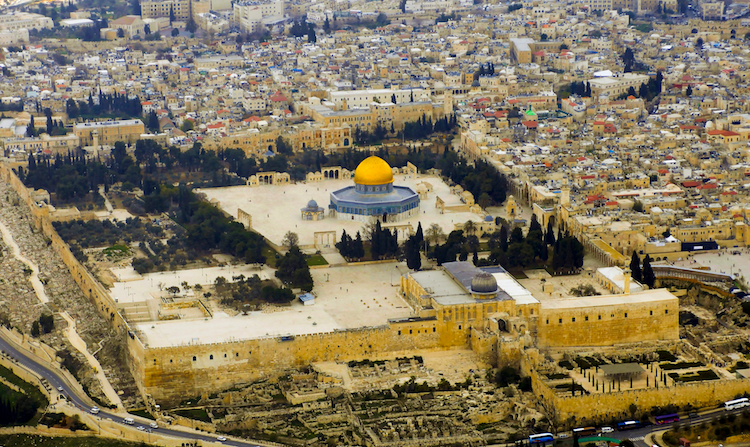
<point>374,194</point>
<point>312,211</point>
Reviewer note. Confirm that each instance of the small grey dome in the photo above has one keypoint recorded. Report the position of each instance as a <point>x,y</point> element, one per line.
<point>488,218</point>
<point>312,204</point>
<point>483,282</point>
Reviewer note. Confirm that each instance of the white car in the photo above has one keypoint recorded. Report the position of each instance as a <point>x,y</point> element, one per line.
<point>221,439</point>
<point>141,428</point>
<point>94,410</point>
<point>154,425</point>
<point>608,430</point>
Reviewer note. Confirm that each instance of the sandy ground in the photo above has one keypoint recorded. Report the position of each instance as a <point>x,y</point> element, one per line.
<point>132,287</point>
<point>275,209</point>
<point>360,296</point>
<point>347,297</point>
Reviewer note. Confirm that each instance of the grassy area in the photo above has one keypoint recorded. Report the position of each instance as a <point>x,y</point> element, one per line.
<point>29,389</point>
<point>199,414</point>
<point>316,260</point>
<point>270,255</point>
<point>21,440</point>
<point>142,413</point>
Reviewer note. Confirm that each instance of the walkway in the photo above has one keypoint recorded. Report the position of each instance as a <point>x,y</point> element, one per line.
<point>70,332</point>
<point>34,278</point>
<point>79,344</point>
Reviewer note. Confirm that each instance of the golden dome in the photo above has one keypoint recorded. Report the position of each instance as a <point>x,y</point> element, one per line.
<point>373,171</point>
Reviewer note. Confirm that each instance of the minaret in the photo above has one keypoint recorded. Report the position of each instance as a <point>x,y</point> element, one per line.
<point>448,103</point>
<point>565,193</point>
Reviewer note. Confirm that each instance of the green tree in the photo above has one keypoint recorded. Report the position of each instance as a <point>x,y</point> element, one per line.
<point>649,278</point>
<point>635,267</point>
<point>30,129</point>
<point>175,32</point>
<point>411,250</point>
<point>292,269</point>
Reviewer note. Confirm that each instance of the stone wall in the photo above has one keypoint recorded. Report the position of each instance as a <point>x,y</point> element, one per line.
<point>170,374</point>
<point>609,325</point>
<point>602,407</point>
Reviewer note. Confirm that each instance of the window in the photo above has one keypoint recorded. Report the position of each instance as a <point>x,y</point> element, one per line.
<point>193,358</point>
<point>236,354</point>
<point>560,321</point>
<point>600,317</point>
<point>547,321</point>
<point>410,332</point>
<point>433,329</point>
<point>459,327</point>
<point>225,356</point>
<point>586,318</point>
<point>574,319</point>
<point>613,315</point>
<point>651,312</point>
<point>666,311</point>
<point>211,357</point>
<point>626,315</point>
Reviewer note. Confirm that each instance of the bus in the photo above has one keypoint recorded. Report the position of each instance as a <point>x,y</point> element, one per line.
<point>541,439</point>
<point>667,419</point>
<point>737,403</point>
<point>629,425</point>
<point>584,431</point>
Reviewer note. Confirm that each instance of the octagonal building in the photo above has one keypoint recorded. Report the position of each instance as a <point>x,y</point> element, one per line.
<point>374,194</point>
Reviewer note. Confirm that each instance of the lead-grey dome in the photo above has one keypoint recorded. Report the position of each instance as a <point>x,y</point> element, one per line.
<point>312,204</point>
<point>483,282</point>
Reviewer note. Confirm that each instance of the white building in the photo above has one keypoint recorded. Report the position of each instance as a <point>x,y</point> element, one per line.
<point>25,20</point>
<point>363,98</point>
<point>249,15</point>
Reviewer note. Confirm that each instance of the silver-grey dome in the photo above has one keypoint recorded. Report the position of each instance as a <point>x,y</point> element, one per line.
<point>483,282</point>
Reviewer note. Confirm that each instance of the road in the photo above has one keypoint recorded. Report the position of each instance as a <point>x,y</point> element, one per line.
<point>58,381</point>
<point>638,435</point>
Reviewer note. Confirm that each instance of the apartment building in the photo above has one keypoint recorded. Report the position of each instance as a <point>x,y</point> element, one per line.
<point>249,15</point>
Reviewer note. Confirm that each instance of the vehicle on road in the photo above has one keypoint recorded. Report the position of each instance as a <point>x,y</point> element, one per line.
<point>221,439</point>
<point>541,439</point>
<point>154,425</point>
<point>737,403</point>
<point>667,419</point>
<point>141,428</point>
<point>607,430</point>
<point>60,389</point>
<point>94,410</point>
<point>128,421</point>
<point>584,431</point>
<point>629,425</point>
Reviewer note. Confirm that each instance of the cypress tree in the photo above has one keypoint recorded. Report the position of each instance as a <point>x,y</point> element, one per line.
<point>635,267</point>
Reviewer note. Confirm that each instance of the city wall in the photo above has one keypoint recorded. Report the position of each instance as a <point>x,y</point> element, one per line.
<point>602,407</point>
<point>85,280</point>
<point>609,325</point>
<point>171,374</point>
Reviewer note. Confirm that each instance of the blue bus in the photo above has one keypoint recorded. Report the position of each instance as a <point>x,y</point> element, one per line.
<point>541,439</point>
<point>629,425</point>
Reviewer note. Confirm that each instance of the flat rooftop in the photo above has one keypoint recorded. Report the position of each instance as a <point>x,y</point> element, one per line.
<point>275,209</point>
<point>648,296</point>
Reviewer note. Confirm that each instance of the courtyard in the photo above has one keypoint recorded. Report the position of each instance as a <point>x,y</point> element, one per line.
<point>275,209</point>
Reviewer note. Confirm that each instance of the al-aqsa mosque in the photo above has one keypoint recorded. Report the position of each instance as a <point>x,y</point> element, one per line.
<point>374,194</point>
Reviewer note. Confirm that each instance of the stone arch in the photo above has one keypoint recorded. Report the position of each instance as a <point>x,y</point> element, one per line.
<point>502,325</point>
<point>346,142</point>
